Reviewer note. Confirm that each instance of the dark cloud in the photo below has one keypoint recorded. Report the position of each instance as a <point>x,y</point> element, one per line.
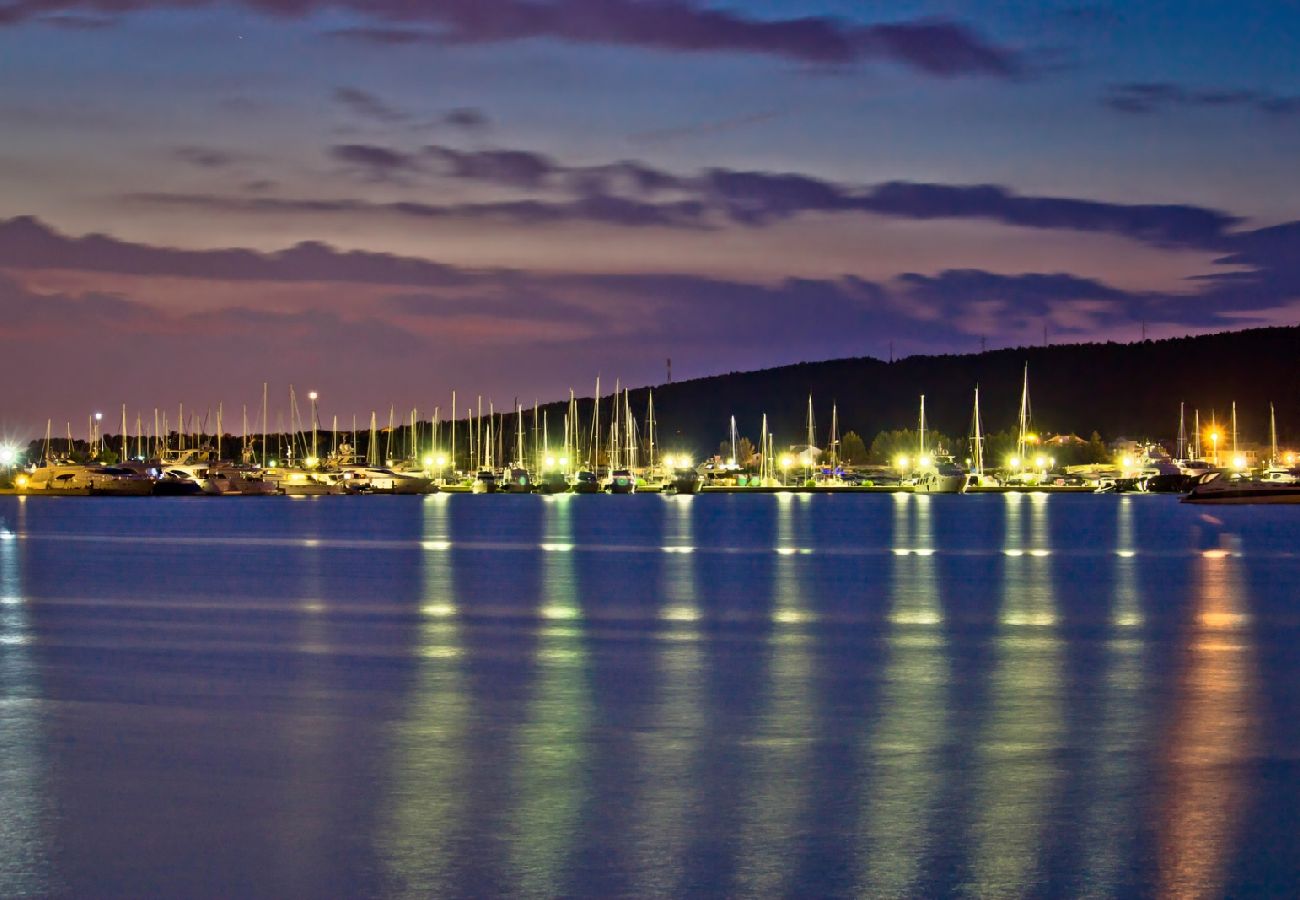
<point>376,163</point>
<point>368,106</point>
<point>1144,98</point>
<point>27,243</point>
<point>598,208</point>
<point>936,47</point>
<point>467,117</point>
<point>206,157</point>
<point>515,168</point>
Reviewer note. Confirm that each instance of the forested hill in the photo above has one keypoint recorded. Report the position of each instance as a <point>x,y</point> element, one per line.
<point>1115,389</point>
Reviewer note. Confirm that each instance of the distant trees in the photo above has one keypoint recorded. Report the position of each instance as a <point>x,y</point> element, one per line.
<point>853,450</point>
<point>887,446</point>
<point>744,452</point>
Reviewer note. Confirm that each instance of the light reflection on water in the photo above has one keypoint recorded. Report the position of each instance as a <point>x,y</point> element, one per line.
<point>778,750</point>
<point>24,854</point>
<point>1211,738</point>
<point>908,735</point>
<point>740,696</point>
<point>1016,770</point>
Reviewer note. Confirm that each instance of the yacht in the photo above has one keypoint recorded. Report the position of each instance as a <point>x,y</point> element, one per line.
<point>552,483</point>
<point>585,482</point>
<point>621,481</point>
<point>944,478</point>
<point>519,481</point>
<point>686,481</point>
<point>118,481</point>
<point>59,476</point>
<point>1215,488</point>
<point>383,480</point>
<point>485,482</point>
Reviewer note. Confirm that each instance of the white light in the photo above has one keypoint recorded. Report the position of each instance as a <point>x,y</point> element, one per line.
<point>8,456</point>
<point>312,396</point>
<point>564,461</point>
<point>924,462</point>
<point>99,417</point>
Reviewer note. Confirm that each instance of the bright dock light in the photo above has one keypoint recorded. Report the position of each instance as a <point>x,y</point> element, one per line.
<point>8,456</point>
<point>902,461</point>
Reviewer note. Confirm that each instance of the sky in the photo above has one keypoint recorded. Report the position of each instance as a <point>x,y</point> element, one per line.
<point>384,201</point>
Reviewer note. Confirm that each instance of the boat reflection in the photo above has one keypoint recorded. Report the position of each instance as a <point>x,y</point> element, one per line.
<point>1016,770</point>
<point>904,774</point>
<point>1211,739</point>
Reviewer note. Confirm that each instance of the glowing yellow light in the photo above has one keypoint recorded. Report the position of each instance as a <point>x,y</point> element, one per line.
<point>1239,462</point>
<point>297,476</point>
<point>21,481</point>
<point>1289,459</point>
<point>1014,462</point>
<point>564,461</point>
<point>428,462</point>
<point>441,460</point>
<point>439,610</point>
<point>786,461</point>
<point>902,461</point>
<point>1041,462</point>
<point>924,462</point>
<point>1031,439</point>
<point>550,462</point>
<point>1127,462</point>
<point>731,460</point>
<point>311,462</point>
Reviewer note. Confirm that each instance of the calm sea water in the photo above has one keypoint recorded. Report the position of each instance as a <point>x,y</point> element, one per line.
<point>611,696</point>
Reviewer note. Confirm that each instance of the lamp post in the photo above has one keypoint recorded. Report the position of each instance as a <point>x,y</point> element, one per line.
<point>312,397</point>
<point>94,444</point>
<point>1214,444</point>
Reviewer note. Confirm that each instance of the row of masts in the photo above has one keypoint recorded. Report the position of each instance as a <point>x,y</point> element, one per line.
<point>484,446</point>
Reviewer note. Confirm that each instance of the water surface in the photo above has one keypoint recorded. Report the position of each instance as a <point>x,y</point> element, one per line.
<point>732,695</point>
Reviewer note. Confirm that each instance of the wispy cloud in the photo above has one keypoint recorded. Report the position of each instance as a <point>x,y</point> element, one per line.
<point>1144,98</point>
<point>936,47</point>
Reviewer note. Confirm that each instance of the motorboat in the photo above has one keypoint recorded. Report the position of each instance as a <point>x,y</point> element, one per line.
<point>118,481</point>
<point>383,480</point>
<point>1215,488</point>
<point>180,482</point>
<point>585,482</point>
<point>519,481</point>
<point>944,478</point>
<point>552,483</point>
<point>485,482</point>
<point>58,476</point>
<point>621,481</point>
<point>685,481</point>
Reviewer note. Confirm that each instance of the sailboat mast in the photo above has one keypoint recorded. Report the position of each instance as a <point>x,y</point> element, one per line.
<point>977,449</point>
<point>1182,433</point>
<point>920,449</point>
<point>650,428</point>
<point>595,429</point>
<point>811,437</point>
<point>1272,435</point>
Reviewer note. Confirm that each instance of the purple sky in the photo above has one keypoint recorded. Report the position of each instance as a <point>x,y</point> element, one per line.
<point>387,200</point>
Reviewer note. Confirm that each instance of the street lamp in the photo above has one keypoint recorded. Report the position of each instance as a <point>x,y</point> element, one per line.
<point>1214,443</point>
<point>786,462</point>
<point>312,397</point>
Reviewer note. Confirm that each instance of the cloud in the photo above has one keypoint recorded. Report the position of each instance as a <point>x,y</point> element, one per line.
<point>206,157</point>
<point>376,163</point>
<point>936,47</point>
<point>514,168</point>
<point>1146,98</point>
<point>368,106</point>
<point>27,243</point>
